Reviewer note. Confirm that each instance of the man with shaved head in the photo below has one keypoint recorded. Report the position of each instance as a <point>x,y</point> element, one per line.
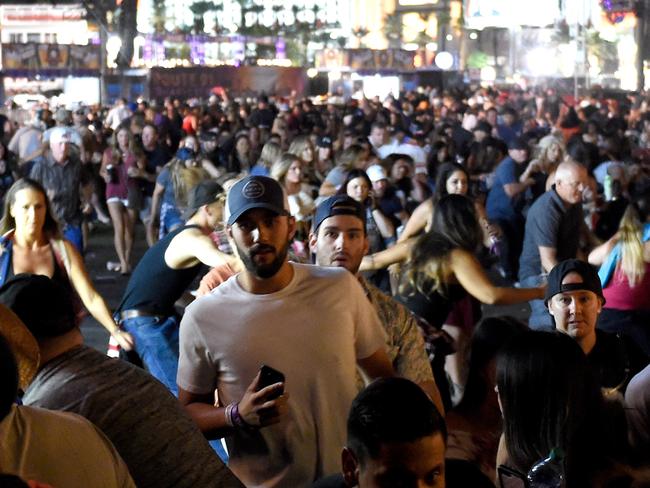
<point>553,228</point>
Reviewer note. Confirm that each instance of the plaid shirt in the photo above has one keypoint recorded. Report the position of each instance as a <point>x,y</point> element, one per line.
<point>405,344</point>
<point>63,185</point>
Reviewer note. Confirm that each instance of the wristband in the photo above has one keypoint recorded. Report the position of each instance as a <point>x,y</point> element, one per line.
<point>228,414</point>
<point>237,420</point>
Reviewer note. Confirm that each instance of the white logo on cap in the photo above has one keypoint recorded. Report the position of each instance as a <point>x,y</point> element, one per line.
<point>253,189</point>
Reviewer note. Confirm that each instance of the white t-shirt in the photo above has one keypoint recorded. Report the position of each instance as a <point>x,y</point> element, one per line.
<point>313,331</point>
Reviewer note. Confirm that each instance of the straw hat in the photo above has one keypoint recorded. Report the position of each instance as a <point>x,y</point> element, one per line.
<point>22,343</point>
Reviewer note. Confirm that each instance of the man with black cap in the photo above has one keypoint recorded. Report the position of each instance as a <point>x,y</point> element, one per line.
<point>312,324</point>
<point>574,298</point>
<point>339,240</point>
<point>162,276</point>
<point>505,203</point>
<point>159,443</point>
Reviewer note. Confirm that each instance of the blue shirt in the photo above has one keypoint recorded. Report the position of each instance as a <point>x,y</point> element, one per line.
<point>499,205</point>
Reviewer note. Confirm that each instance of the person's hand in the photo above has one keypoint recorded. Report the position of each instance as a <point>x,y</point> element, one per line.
<point>134,172</point>
<point>494,231</point>
<point>124,339</point>
<point>533,167</point>
<point>260,408</point>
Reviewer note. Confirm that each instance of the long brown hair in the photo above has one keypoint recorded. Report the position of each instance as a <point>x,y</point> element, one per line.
<point>455,226</point>
<point>116,153</point>
<point>51,227</point>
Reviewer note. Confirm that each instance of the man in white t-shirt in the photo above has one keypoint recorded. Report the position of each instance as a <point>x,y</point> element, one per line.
<point>312,324</point>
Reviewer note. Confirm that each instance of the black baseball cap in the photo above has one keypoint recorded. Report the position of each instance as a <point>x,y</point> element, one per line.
<point>519,143</point>
<point>590,279</point>
<point>483,126</point>
<point>338,205</point>
<point>205,193</point>
<point>43,305</point>
<point>324,141</point>
<point>255,192</point>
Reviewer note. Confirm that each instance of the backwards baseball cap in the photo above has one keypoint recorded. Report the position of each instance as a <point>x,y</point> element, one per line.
<point>590,279</point>
<point>255,192</point>
<point>44,306</point>
<point>376,172</point>
<point>338,205</point>
<point>204,193</point>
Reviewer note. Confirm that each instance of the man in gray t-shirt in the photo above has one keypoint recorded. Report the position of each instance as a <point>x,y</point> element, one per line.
<point>553,228</point>
<point>159,443</point>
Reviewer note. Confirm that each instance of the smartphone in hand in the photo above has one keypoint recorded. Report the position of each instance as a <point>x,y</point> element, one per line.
<point>270,376</point>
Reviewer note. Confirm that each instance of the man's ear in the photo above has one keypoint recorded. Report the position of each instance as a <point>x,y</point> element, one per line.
<point>313,239</point>
<point>292,227</point>
<point>229,231</point>
<point>350,467</point>
<point>366,244</point>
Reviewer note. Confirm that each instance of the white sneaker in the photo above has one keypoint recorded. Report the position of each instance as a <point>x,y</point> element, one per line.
<point>113,266</point>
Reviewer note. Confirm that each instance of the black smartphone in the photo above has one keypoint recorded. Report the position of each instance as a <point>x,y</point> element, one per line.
<point>270,376</point>
<point>511,478</point>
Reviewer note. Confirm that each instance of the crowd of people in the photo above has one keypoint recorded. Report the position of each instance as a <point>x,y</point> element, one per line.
<point>309,309</point>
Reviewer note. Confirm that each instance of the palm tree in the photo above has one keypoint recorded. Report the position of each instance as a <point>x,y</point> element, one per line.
<point>393,30</point>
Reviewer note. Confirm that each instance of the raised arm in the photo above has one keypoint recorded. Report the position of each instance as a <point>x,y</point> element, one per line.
<point>598,255</point>
<point>191,246</point>
<point>418,220</point>
<point>382,259</point>
<point>472,277</point>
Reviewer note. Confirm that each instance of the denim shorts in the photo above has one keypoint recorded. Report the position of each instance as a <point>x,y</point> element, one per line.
<point>170,219</point>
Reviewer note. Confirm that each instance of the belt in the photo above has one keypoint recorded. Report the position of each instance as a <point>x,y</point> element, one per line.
<point>134,312</point>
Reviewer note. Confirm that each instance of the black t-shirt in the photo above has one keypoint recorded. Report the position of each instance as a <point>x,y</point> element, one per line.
<point>615,359</point>
<point>157,158</point>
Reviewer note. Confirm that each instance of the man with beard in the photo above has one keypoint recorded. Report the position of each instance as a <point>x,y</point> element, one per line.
<point>312,324</point>
<point>161,277</point>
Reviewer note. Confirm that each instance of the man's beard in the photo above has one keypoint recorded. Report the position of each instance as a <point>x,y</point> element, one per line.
<point>263,270</point>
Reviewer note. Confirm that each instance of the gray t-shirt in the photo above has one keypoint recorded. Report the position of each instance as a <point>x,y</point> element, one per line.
<point>159,443</point>
<point>550,223</point>
<point>637,400</point>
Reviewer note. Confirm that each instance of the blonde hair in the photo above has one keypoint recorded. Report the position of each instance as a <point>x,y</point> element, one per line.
<point>184,179</point>
<point>299,144</point>
<point>543,156</point>
<point>271,152</point>
<point>630,233</point>
<point>281,166</point>
<point>349,157</point>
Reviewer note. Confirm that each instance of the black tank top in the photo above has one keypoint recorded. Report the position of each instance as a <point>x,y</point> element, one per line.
<point>59,276</point>
<point>154,287</point>
<point>434,307</point>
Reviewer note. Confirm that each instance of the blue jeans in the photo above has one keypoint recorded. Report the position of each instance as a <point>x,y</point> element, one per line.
<point>156,342</point>
<point>540,318</point>
<point>75,236</point>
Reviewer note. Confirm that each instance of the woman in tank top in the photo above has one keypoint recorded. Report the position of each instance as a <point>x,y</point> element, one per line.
<point>31,243</point>
<point>625,274</point>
